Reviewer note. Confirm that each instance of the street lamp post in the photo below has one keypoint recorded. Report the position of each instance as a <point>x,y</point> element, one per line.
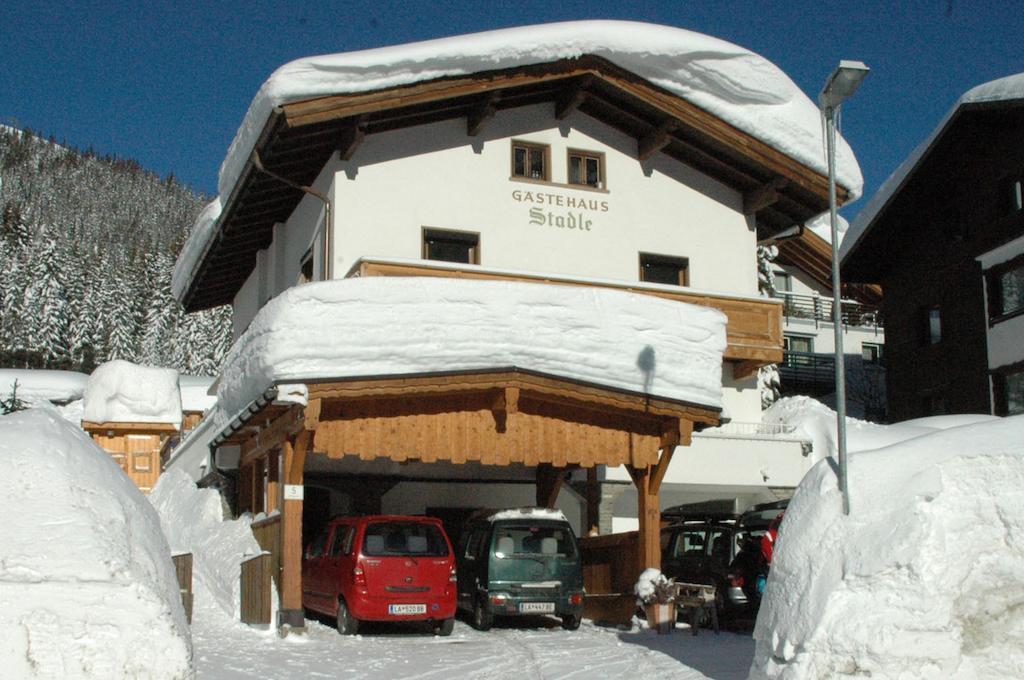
<point>839,87</point>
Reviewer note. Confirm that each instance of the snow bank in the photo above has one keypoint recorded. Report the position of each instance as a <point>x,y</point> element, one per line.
<point>123,392</point>
<point>816,422</point>
<point>922,580</point>
<point>48,385</point>
<point>380,326</point>
<point>1006,89</point>
<point>195,394</point>
<point>193,521</point>
<point>86,580</point>
<point>730,82</point>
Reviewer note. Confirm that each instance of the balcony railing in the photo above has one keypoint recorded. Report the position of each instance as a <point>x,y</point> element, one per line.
<point>818,308</point>
<point>807,373</point>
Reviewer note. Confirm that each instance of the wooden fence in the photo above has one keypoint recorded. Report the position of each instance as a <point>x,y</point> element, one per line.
<point>268,535</point>
<point>611,566</point>
<point>183,571</point>
<point>255,589</point>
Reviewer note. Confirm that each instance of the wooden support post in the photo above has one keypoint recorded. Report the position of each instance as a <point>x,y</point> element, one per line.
<point>649,514</point>
<point>593,503</point>
<point>549,483</point>
<point>571,98</point>
<point>273,481</point>
<point>294,450</point>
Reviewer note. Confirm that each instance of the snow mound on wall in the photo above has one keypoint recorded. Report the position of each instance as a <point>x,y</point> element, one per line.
<point>380,326</point>
<point>922,580</point>
<point>48,385</point>
<point>123,392</point>
<point>86,579</point>
<point>193,521</point>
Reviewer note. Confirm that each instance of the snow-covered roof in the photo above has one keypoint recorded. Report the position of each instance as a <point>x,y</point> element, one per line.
<point>88,587</point>
<point>1010,88</point>
<point>195,392</point>
<point>921,579</point>
<point>728,81</point>
<point>384,326</point>
<point>528,513</point>
<point>123,392</point>
<point>49,385</point>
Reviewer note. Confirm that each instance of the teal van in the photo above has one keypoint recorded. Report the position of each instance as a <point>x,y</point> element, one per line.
<point>520,562</point>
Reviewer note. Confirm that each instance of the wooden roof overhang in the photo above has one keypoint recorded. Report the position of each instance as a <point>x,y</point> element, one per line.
<point>813,255</point>
<point>121,428</point>
<point>299,138</point>
<point>500,417</point>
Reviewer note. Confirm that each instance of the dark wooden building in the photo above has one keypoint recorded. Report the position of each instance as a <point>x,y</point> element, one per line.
<point>943,238</point>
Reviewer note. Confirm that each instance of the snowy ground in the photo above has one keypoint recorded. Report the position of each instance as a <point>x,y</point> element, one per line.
<point>538,649</point>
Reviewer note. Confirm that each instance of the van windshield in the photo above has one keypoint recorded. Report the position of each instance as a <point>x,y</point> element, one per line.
<point>409,539</point>
<point>512,541</point>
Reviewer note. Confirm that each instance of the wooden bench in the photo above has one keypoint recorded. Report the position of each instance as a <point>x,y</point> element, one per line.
<point>695,599</point>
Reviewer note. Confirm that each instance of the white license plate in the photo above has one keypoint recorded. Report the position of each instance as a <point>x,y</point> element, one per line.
<point>407,609</point>
<point>537,607</point>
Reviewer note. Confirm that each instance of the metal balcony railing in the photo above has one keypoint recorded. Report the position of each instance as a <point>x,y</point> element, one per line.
<point>819,308</point>
<point>807,373</point>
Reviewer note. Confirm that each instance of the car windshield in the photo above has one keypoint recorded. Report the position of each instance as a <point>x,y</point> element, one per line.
<point>408,539</point>
<point>513,541</point>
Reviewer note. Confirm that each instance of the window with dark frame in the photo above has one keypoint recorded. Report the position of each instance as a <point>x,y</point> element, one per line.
<point>1008,390</point>
<point>451,246</point>
<point>1015,194</point>
<point>871,353</point>
<point>530,161</point>
<point>1005,285</point>
<point>586,169</point>
<point>675,271</point>
<point>931,325</point>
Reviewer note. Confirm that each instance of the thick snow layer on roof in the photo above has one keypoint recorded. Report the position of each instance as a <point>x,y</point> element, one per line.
<point>86,579</point>
<point>922,580</point>
<point>35,384</point>
<point>1009,88</point>
<point>822,227</point>
<point>195,392</point>
<point>730,82</point>
<point>123,392</point>
<point>380,326</point>
<point>193,521</point>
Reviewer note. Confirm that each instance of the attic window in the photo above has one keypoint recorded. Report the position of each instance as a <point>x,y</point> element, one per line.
<point>530,161</point>
<point>586,168</point>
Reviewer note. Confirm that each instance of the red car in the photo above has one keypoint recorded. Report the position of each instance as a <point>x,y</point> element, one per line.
<point>381,568</point>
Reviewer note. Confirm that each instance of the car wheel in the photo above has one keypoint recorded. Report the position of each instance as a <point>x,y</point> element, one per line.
<point>571,622</point>
<point>482,619</point>
<point>444,628</point>
<point>347,624</point>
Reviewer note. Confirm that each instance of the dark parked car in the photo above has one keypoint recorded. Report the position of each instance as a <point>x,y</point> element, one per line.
<point>517,562</point>
<point>381,568</point>
<point>721,549</point>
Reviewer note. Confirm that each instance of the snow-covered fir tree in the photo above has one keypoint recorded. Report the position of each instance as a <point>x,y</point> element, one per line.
<point>87,245</point>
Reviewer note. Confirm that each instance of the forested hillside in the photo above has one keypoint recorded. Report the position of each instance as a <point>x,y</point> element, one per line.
<point>87,244</point>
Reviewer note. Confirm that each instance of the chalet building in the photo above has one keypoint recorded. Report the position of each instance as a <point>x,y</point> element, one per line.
<point>803,281</point>
<point>465,273</point>
<point>944,237</point>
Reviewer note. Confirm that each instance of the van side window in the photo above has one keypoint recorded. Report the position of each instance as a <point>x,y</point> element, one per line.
<point>318,545</point>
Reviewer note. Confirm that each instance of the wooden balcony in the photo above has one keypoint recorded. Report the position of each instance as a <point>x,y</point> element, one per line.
<point>753,329</point>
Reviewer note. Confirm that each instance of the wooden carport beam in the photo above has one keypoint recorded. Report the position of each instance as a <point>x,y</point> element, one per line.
<point>352,135</point>
<point>549,483</point>
<point>655,140</point>
<point>481,114</point>
<point>294,450</point>
<point>505,402</point>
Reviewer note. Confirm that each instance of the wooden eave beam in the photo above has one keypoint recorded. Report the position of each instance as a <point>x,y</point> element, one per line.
<point>655,140</point>
<point>121,427</point>
<point>271,435</point>
<point>481,114</point>
<point>757,200</point>
<point>352,134</point>
<point>571,98</point>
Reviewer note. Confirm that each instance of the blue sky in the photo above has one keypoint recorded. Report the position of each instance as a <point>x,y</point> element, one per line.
<point>168,83</point>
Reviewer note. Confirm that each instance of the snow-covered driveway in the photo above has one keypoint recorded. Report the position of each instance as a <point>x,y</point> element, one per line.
<point>227,652</point>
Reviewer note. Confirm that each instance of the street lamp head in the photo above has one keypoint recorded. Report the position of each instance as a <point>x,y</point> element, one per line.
<point>843,82</point>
